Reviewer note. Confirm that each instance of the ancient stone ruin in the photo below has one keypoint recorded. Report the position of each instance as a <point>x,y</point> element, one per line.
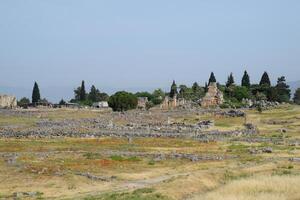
<point>213,97</point>
<point>169,103</point>
<point>142,102</point>
<point>7,101</point>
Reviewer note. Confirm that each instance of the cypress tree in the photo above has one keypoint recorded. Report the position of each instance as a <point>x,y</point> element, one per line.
<point>265,80</point>
<point>36,93</point>
<point>173,90</point>
<point>93,94</point>
<point>82,94</point>
<point>212,78</point>
<point>230,80</point>
<point>246,80</point>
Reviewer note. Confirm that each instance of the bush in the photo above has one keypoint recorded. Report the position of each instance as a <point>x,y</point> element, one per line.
<point>122,101</point>
<point>23,102</point>
<point>232,103</point>
<point>241,93</point>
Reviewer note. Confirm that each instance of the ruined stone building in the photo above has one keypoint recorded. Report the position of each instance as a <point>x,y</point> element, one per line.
<point>142,102</point>
<point>213,97</point>
<point>169,103</point>
<point>8,101</point>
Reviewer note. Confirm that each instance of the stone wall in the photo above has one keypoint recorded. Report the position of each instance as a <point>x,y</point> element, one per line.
<point>7,101</point>
<point>169,103</point>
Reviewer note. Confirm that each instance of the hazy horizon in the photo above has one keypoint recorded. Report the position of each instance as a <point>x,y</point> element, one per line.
<point>137,45</point>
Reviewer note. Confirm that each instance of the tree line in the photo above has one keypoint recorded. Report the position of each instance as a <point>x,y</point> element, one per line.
<point>233,93</point>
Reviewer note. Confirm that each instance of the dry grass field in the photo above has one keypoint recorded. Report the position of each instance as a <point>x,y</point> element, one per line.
<point>116,168</point>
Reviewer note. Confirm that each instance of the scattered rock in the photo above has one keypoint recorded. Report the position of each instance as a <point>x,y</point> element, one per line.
<point>294,159</point>
<point>96,178</point>
<point>255,151</point>
<point>26,194</point>
<point>283,130</point>
<point>267,150</point>
<point>232,113</point>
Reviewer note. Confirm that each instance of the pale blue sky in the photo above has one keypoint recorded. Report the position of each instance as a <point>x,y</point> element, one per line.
<point>137,44</point>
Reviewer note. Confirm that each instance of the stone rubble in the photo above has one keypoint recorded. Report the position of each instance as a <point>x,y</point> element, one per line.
<point>138,124</point>
<point>96,178</point>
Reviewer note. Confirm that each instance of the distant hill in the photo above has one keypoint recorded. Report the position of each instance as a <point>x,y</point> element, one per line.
<point>294,85</point>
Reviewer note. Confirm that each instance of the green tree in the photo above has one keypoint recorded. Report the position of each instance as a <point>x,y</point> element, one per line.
<point>82,94</point>
<point>36,97</point>
<point>283,91</point>
<point>77,95</point>
<point>212,78</point>
<point>182,90</point>
<point>230,80</point>
<point>246,80</point>
<point>260,96</point>
<point>23,102</point>
<point>198,92</point>
<point>206,87</point>
<point>240,93</point>
<point>62,102</point>
<point>265,80</point>
<point>102,96</point>
<point>229,91</point>
<point>173,90</point>
<point>144,94</point>
<point>158,96</point>
<point>196,88</point>
<point>93,95</point>
<point>122,101</point>
<point>296,98</point>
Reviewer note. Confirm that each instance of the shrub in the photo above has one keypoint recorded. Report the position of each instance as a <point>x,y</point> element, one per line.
<point>122,101</point>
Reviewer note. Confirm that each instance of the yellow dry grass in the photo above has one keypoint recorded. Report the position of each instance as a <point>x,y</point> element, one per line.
<point>257,188</point>
<point>242,176</point>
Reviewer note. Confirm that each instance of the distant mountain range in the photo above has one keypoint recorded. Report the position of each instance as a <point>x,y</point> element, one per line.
<point>294,85</point>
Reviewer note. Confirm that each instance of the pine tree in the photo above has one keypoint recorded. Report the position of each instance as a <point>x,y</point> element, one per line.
<point>173,90</point>
<point>212,78</point>
<point>36,97</point>
<point>297,97</point>
<point>282,90</point>
<point>246,80</point>
<point>265,80</point>
<point>82,94</point>
<point>230,80</point>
